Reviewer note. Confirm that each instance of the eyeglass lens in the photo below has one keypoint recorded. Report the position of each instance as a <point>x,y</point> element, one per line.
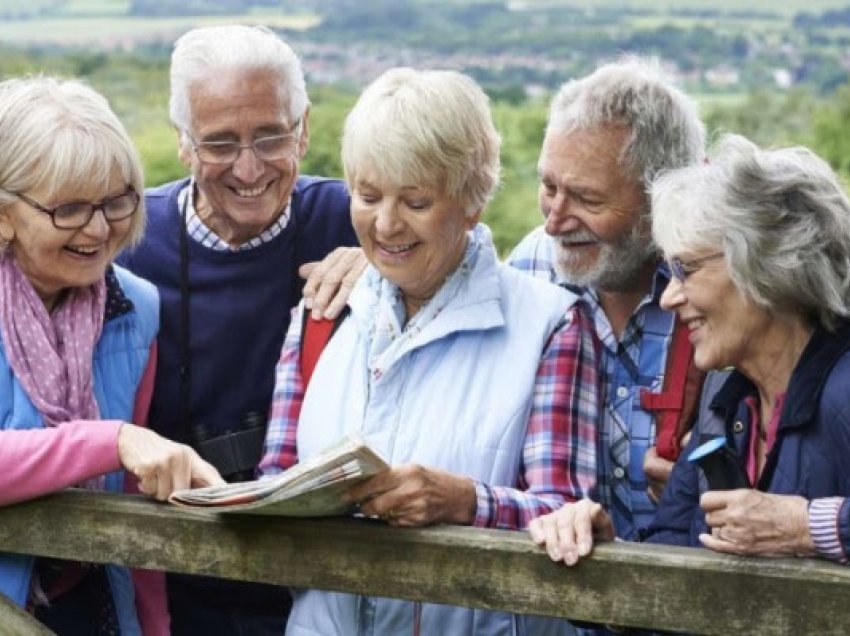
<point>265,148</point>
<point>73,215</point>
<point>682,269</point>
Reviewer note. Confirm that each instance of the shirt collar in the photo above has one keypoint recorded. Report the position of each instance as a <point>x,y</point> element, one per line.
<point>203,234</point>
<point>660,279</point>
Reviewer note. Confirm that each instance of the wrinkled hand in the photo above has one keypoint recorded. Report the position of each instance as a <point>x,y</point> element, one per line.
<point>160,465</point>
<point>414,495</point>
<point>657,471</point>
<point>330,281</point>
<point>568,533</point>
<point>749,522</point>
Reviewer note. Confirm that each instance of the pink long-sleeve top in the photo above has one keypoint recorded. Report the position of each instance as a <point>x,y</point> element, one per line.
<point>40,461</point>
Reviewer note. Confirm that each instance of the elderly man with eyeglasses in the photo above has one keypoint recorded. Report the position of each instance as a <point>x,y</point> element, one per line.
<point>224,247</point>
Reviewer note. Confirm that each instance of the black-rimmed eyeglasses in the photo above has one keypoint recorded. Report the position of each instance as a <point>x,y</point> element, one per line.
<point>271,148</point>
<point>682,269</point>
<point>77,214</point>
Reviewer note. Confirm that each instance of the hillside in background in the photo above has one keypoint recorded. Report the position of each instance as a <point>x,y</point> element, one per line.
<point>522,47</point>
<point>775,71</point>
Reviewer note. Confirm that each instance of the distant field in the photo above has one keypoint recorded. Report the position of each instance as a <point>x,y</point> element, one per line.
<point>75,7</point>
<point>105,22</point>
<point>783,7</point>
<point>96,7</point>
<point>112,31</point>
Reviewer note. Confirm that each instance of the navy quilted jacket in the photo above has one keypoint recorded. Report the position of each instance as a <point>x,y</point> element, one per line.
<point>811,454</point>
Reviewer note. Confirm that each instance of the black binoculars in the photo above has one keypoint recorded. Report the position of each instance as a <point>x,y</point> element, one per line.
<point>235,453</point>
<point>720,464</point>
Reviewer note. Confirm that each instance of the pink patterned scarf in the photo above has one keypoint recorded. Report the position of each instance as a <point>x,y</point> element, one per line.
<point>51,354</point>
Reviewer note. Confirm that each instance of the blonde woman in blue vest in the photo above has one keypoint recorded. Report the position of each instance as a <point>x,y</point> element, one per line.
<point>476,382</point>
<point>77,346</point>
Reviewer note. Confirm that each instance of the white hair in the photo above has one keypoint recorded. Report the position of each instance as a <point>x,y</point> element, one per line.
<point>203,54</point>
<point>425,127</point>
<point>665,130</point>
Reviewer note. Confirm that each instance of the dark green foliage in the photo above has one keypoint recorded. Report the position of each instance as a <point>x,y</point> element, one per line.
<point>832,18</point>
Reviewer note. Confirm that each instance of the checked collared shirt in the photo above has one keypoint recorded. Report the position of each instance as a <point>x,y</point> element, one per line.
<point>630,365</point>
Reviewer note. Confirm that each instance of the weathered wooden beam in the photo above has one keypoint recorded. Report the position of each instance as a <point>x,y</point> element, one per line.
<point>621,584</point>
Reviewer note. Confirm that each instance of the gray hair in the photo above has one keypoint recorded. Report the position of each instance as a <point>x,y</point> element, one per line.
<point>204,53</point>
<point>58,135</point>
<point>425,127</point>
<point>665,130</point>
<point>781,218</point>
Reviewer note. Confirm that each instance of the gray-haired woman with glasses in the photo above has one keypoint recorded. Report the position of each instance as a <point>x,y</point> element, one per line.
<point>77,346</point>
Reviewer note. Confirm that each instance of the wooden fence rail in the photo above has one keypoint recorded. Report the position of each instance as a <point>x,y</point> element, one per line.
<point>621,584</point>
<point>16,622</point>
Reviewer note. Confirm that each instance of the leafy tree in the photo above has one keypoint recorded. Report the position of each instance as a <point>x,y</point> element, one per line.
<point>831,133</point>
<point>327,115</point>
<point>157,145</point>
<point>513,212</point>
<point>768,118</point>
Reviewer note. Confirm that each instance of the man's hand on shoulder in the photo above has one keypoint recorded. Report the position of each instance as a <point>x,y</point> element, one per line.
<point>330,281</point>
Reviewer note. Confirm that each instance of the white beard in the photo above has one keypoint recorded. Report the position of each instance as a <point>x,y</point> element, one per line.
<point>617,267</point>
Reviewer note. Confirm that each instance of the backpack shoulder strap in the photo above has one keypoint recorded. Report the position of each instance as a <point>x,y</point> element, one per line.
<point>315,335</point>
<point>676,403</point>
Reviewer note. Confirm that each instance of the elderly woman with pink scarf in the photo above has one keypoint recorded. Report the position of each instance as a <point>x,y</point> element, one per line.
<point>77,346</point>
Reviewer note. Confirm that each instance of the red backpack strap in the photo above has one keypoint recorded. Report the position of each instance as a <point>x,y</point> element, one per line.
<point>676,403</point>
<point>315,335</point>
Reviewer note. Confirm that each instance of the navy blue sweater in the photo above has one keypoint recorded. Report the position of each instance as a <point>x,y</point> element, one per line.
<point>240,304</point>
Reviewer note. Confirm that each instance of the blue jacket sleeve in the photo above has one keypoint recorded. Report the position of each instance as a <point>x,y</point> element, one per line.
<point>679,519</point>
<point>834,411</point>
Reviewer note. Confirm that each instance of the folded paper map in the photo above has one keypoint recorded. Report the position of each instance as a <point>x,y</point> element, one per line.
<point>312,488</point>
